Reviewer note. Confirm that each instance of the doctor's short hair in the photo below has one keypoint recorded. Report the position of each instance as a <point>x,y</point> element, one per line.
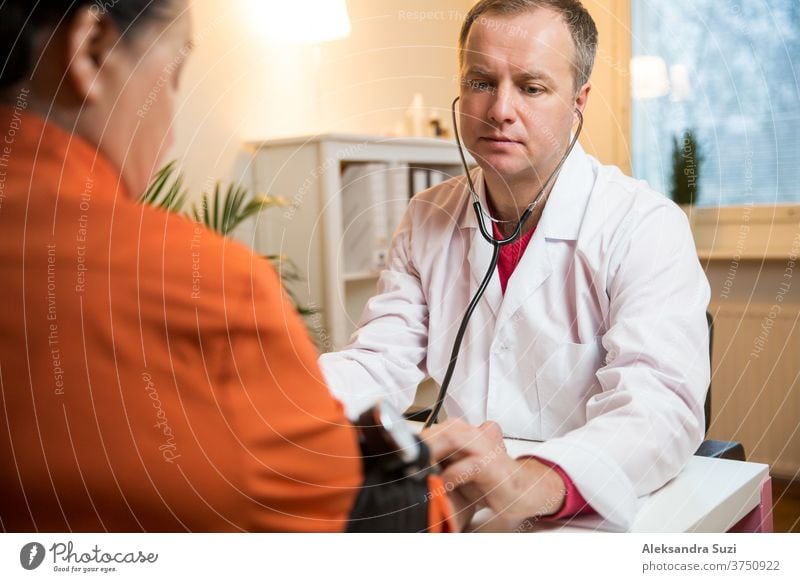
<point>580,23</point>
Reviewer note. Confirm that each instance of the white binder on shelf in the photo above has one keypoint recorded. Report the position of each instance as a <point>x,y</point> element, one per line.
<point>365,218</point>
<point>399,195</point>
<point>420,180</point>
<point>437,176</point>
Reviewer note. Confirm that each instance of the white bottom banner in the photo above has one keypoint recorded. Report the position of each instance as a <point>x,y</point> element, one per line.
<point>334,557</point>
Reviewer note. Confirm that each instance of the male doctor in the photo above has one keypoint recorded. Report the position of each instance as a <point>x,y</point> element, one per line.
<point>591,335</point>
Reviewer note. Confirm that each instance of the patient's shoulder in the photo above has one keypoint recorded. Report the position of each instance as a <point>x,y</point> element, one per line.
<point>187,266</point>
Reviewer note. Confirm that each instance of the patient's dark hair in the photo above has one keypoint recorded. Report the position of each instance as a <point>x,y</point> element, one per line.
<point>20,20</point>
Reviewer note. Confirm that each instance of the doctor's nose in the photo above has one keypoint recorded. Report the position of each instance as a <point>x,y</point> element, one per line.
<point>502,109</point>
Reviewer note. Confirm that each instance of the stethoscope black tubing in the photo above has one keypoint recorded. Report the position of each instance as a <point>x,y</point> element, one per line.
<point>437,407</point>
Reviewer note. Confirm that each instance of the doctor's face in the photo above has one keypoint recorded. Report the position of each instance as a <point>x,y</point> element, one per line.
<point>518,93</point>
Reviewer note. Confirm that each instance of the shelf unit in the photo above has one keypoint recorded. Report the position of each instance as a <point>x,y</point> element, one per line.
<point>312,230</point>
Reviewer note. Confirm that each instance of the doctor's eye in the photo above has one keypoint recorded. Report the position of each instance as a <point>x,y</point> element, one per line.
<point>533,90</point>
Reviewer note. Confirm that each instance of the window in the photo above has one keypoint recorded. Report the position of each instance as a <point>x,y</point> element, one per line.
<point>729,71</point>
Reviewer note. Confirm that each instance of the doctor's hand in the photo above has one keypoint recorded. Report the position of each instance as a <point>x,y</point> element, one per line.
<point>476,466</point>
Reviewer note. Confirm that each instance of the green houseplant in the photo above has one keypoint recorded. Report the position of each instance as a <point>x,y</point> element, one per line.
<point>222,211</point>
<point>686,162</point>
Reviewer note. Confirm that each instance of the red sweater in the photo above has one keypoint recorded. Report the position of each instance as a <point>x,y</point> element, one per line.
<point>510,255</point>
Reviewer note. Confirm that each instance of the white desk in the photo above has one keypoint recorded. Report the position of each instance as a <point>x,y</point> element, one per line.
<point>709,495</point>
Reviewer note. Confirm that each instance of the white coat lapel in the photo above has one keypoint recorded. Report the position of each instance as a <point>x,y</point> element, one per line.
<point>561,220</point>
<point>532,271</point>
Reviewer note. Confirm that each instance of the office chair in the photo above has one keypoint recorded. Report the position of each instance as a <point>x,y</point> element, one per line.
<point>712,448</point>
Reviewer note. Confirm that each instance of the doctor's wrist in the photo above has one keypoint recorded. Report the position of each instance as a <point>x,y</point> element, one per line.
<point>542,490</point>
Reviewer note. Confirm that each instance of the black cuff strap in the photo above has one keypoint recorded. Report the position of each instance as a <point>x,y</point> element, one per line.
<point>388,504</point>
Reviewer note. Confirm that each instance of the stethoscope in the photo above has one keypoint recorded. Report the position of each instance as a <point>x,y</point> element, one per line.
<point>497,244</point>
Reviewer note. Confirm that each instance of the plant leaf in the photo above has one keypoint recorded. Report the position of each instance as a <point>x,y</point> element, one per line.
<point>175,196</point>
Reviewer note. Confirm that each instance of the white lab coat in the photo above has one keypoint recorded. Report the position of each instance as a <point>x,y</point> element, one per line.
<point>599,346</point>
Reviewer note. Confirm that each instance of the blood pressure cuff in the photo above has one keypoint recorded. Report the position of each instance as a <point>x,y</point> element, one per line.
<point>395,503</point>
<point>401,491</point>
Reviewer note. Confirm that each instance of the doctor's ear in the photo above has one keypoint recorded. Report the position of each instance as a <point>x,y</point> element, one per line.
<point>582,96</point>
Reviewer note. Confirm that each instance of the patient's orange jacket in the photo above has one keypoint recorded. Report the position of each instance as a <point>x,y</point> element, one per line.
<point>153,375</point>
